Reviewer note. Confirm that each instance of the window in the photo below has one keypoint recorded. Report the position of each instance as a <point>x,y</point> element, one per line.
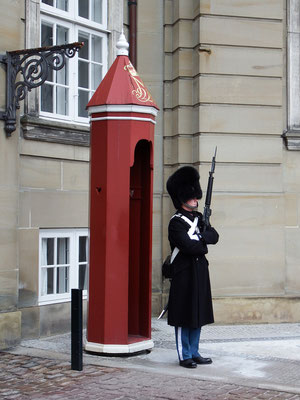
<point>66,92</point>
<point>63,264</point>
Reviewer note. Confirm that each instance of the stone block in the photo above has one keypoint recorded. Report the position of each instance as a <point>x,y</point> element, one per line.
<point>168,39</point>
<point>168,125</point>
<point>239,61</point>
<point>40,173</point>
<point>156,304</point>
<point>183,9</point>
<point>291,210</point>
<point>8,249</point>
<point>150,60</point>
<point>8,206</point>
<point>182,34</point>
<point>182,92</point>
<point>56,318</point>
<point>248,261</point>
<point>291,172</point>
<point>178,150</point>
<point>243,310</point>
<point>75,176</point>
<point>29,267</point>
<point>64,209</point>
<point>240,119</point>
<point>240,90</point>
<point>293,257</point>
<point>54,150</point>
<point>168,95</point>
<point>30,323</point>
<point>241,148</point>
<point>269,9</point>
<point>150,16</point>
<point>240,32</point>
<point>246,178</point>
<point>182,63</point>
<point>10,27</point>
<point>182,120</point>
<point>246,210</point>
<point>10,329</point>
<point>8,289</point>
<point>168,66</point>
<point>168,11</point>
<point>9,162</point>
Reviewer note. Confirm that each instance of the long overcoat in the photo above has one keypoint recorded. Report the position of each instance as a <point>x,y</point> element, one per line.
<point>190,302</point>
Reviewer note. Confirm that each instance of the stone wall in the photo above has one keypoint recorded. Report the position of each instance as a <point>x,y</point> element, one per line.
<point>225,87</point>
<point>12,29</point>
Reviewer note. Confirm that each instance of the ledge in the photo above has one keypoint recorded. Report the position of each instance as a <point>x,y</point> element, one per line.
<point>35,128</point>
<point>292,139</point>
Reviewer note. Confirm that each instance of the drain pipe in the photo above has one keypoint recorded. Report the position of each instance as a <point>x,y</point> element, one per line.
<point>132,4</point>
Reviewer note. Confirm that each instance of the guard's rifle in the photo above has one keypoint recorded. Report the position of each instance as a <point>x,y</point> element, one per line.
<point>207,209</point>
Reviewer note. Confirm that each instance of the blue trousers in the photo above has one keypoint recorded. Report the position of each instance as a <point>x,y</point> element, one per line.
<point>187,342</point>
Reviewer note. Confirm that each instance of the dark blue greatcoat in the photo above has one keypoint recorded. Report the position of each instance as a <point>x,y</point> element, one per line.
<point>190,302</point>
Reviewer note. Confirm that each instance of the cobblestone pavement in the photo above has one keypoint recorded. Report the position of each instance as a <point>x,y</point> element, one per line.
<point>26,377</point>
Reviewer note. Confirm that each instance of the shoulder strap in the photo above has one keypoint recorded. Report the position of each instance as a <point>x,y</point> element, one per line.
<point>193,232</point>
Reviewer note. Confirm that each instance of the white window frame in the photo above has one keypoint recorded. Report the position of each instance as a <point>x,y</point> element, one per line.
<point>293,48</point>
<point>73,235</point>
<point>74,23</point>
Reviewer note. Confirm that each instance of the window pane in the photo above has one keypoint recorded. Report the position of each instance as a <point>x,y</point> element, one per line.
<point>49,2</point>
<point>47,98</point>
<point>83,8</point>
<point>62,280</point>
<point>62,250</point>
<point>82,248</point>
<point>83,74</point>
<point>84,51</point>
<point>82,277</point>
<point>46,35</point>
<point>62,104</point>
<point>83,99</point>
<point>50,280</point>
<point>62,4</point>
<point>96,11</point>
<point>62,75</point>
<point>62,35</point>
<point>96,48</point>
<point>96,75</point>
<point>47,251</point>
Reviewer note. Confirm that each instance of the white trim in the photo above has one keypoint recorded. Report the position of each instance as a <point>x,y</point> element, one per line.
<point>119,348</point>
<point>179,343</point>
<point>75,25</point>
<point>73,235</point>
<point>123,108</point>
<point>124,119</point>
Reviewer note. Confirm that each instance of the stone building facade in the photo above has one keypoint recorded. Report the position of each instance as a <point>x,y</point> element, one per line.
<point>223,73</point>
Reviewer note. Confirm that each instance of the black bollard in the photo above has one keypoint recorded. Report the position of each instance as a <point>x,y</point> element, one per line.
<point>76,330</point>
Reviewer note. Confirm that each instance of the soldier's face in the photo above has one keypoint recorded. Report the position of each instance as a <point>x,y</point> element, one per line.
<point>191,204</point>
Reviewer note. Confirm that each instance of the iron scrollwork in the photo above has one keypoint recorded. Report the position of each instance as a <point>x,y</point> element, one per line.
<point>34,66</point>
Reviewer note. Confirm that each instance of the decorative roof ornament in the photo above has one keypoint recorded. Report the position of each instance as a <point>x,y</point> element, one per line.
<point>122,45</point>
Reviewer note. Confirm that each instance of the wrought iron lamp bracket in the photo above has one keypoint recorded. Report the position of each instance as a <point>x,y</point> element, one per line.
<point>34,65</point>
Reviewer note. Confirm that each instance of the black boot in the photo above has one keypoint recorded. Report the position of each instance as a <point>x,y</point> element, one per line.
<point>188,363</point>
<point>202,360</point>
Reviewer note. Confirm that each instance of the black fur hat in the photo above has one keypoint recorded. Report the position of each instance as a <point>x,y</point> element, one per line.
<point>184,185</point>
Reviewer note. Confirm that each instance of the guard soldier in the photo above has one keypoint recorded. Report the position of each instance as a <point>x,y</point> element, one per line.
<point>190,302</point>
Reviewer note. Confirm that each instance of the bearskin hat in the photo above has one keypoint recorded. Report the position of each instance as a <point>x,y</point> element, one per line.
<point>184,185</point>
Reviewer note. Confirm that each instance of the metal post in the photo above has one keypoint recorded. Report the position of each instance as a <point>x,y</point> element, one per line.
<point>76,330</point>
